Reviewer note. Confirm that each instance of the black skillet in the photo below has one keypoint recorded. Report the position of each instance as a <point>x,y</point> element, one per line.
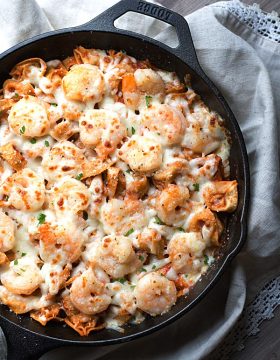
<point>26,338</point>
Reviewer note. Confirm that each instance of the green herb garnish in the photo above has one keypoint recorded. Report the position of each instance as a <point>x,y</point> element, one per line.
<point>141,257</point>
<point>186,275</point>
<point>148,100</point>
<point>128,171</point>
<point>196,187</point>
<point>47,144</point>
<point>133,287</point>
<point>22,130</point>
<point>143,269</point>
<point>23,254</point>
<point>158,221</point>
<point>53,104</point>
<point>132,130</point>
<point>154,267</point>
<point>121,280</point>
<point>16,95</point>
<point>41,218</point>
<point>78,177</point>
<point>206,260</point>
<point>180,229</point>
<point>33,141</point>
<point>130,231</point>
<point>16,262</point>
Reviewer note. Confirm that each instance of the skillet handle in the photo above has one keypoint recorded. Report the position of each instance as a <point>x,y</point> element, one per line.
<point>185,50</point>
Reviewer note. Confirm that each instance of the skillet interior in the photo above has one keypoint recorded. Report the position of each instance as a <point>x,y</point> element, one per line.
<point>59,46</point>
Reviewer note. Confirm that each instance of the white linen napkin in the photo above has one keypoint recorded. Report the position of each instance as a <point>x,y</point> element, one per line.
<point>245,65</point>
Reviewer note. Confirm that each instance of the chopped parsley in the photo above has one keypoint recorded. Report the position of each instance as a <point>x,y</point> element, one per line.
<point>121,280</point>
<point>148,100</point>
<point>128,171</point>
<point>16,95</point>
<point>22,130</point>
<point>132,130</point>
<point>206,260</point>
<point>186,275</point>
<point>132,287</point>
<point>16,262</point>
<point>21,269</point>
<point>196,187</point>
<point>33,141</point>
<point>53,104</point>
<point>41,218</point>
<point>79,177</point>
<point>23,254</point>
<point>130,231</point>
<point>158,221</point>
<point>141,257</point>
<point>5,197</point>
<point>180,229</point>
<point>143,269</point>
<point>154,267</point>
<point>47,144</point>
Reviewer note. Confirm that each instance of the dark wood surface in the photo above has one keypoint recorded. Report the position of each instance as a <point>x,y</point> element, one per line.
<point>266,344</point>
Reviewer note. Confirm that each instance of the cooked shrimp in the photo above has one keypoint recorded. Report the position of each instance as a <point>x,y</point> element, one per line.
<point>29,117</point>
<point>183,249</point>
<point>115,255</point>
<point>63,159</point>
<point>23,277</point>
<point>208,224</point>
<point>155,294</point>
<point>25,190</point>
<point>84,82</point>
<point>204,134</point>
<point>167,122</point>
<point>61,244</point>
<point>101,130</point>
<point>69,195</point>
<point>149,82</point>
<point>142,154</point>
<point>221,195</point>
<point>171,204</point>
<point>142,82</point>
<point>119,216</point>
<point>7,232</point>
<point>88,292</point>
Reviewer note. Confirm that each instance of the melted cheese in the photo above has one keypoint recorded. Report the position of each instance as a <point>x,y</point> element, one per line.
<point>75,219</point>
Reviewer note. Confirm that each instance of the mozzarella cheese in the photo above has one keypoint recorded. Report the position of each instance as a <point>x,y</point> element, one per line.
<point>102,110</point>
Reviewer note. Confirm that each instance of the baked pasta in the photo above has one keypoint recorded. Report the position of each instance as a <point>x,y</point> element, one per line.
<point>112,176</point>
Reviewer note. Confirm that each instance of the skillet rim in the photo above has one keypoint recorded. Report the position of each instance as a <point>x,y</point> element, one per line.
<point>244,212</point>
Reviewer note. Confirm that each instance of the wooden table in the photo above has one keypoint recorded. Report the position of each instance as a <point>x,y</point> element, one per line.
<point>266,344</point>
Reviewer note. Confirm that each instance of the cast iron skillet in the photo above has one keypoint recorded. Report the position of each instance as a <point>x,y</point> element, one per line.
<point>30,339</point>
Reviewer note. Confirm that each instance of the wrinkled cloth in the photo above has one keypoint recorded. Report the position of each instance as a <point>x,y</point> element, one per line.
<point>245,67</point>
